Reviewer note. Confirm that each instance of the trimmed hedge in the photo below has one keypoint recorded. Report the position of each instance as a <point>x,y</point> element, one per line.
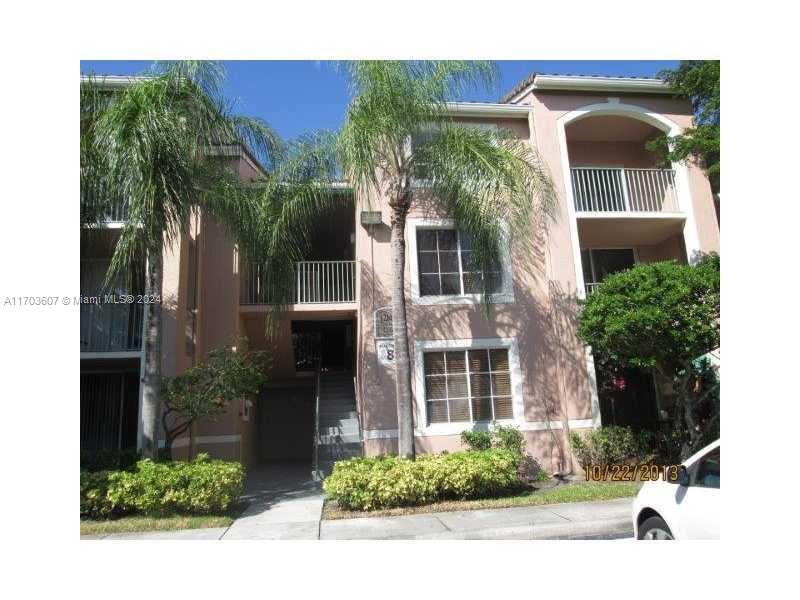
<point>389,481</point>
<point>610,445</point>
<point>202,486</point>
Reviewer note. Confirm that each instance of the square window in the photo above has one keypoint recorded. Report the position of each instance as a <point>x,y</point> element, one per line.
<point>448,254</point>
<point>468,385</point>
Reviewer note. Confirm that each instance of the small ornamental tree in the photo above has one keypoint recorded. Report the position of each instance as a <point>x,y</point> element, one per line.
<point>662,316</point>
<point>205,390</point>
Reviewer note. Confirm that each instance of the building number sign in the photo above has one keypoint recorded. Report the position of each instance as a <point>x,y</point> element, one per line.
<point>384,340</point>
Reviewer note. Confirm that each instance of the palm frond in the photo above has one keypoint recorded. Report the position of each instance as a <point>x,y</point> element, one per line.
<point>490,181</point>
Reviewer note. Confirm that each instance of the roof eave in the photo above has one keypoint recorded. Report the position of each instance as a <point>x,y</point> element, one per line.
<point>487,109</point>
<point>574,83</point>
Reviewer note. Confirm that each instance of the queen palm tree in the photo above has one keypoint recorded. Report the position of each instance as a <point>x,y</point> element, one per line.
<point>398,135</point>
<point>152,144</point>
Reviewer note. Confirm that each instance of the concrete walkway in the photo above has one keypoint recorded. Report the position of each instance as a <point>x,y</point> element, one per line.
<point>286,504</point>
<point>578,520</point>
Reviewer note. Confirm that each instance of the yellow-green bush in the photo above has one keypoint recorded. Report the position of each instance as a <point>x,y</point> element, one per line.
<point>389,481</point>
<point>201,486</point>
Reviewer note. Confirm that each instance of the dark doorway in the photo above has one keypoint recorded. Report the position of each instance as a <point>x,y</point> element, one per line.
<point>327,345</point>
<point>286,424</point>
<point>109,410</point>
<point>629,400</point>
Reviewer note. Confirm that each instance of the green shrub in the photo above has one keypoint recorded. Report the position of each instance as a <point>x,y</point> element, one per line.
<point>499,436</point>
<point>201,486</point>
<point>477,440</point>
<point>94,495</point>
<point>610,445</point>
<point>508,437</point>
<point>389,481</point>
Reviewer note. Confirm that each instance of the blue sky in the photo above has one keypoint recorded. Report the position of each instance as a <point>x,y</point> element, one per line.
<point>300,96</point>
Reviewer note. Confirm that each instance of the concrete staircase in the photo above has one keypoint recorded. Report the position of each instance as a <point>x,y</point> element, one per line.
<point>339,429</point>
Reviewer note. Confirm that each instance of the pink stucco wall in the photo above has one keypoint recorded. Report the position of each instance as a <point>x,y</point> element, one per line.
<point>555,381</point>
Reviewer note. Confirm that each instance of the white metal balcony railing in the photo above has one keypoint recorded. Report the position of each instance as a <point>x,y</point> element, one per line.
<point>113,211</point>
<point>624,190</point>
<point>110,327</point>
<point>315,282</point>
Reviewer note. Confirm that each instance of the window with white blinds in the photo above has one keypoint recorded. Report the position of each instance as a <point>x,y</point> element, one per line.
<point>467,385</point>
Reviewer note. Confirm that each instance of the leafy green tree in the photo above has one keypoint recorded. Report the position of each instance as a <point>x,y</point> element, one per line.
<point>661,316</point>
<point>698,81</point>
<point>205,390</point>
<point>152,145</point>
<point>398,139</point>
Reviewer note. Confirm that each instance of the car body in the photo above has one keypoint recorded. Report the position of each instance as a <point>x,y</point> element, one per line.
<point>684,510</point>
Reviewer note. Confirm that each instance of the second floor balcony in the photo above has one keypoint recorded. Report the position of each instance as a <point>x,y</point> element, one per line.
<point>621,190</point>
<point>108,327</point>
<point>313,282</point>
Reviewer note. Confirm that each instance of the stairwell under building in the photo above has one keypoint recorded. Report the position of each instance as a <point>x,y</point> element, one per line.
<point>338,434</point>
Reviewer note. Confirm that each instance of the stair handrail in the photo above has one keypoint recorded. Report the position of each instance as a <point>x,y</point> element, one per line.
<point>316,475</point>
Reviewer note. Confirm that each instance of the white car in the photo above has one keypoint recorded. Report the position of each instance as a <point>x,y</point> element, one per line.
<point>688,509</point>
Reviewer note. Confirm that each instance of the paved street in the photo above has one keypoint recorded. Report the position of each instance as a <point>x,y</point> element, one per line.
<point>286,504</point>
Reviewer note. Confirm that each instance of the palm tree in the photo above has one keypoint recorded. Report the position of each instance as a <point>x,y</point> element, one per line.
<point>398,135</point>
<point>152,144</point>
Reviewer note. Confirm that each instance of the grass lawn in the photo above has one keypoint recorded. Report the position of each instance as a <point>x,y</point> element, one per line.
<point>137,523</point>
<point>572,492</point>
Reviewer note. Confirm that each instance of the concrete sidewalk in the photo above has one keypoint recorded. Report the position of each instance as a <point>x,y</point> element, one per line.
<point>576,520</point>
<point>283,503</point>
<point>286,504</point>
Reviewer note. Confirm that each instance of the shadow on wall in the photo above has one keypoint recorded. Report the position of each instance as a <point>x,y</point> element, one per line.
<point>543,318</point>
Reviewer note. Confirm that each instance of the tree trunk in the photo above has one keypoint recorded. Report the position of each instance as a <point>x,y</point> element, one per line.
<point>151,380</point>
<point>405,417</point>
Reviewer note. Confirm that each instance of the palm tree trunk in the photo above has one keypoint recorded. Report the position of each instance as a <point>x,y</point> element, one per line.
<point>405,417</point>
<point>151,381</point>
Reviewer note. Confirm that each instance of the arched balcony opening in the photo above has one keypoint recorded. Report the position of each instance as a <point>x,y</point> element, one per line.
<point>612,171</point>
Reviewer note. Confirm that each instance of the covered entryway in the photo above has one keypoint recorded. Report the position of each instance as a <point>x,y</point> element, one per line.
<point>290,430</point>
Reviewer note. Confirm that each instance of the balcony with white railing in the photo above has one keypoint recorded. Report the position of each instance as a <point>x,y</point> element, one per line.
<point>97,208</point>
<point>314,282</point>
<point>620,190</point>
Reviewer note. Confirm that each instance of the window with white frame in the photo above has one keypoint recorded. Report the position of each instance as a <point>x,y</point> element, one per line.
<point>447,268</point>
<point>467,385</point>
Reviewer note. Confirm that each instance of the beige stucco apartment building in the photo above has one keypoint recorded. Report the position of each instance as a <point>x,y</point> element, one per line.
<point>331,386</point>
